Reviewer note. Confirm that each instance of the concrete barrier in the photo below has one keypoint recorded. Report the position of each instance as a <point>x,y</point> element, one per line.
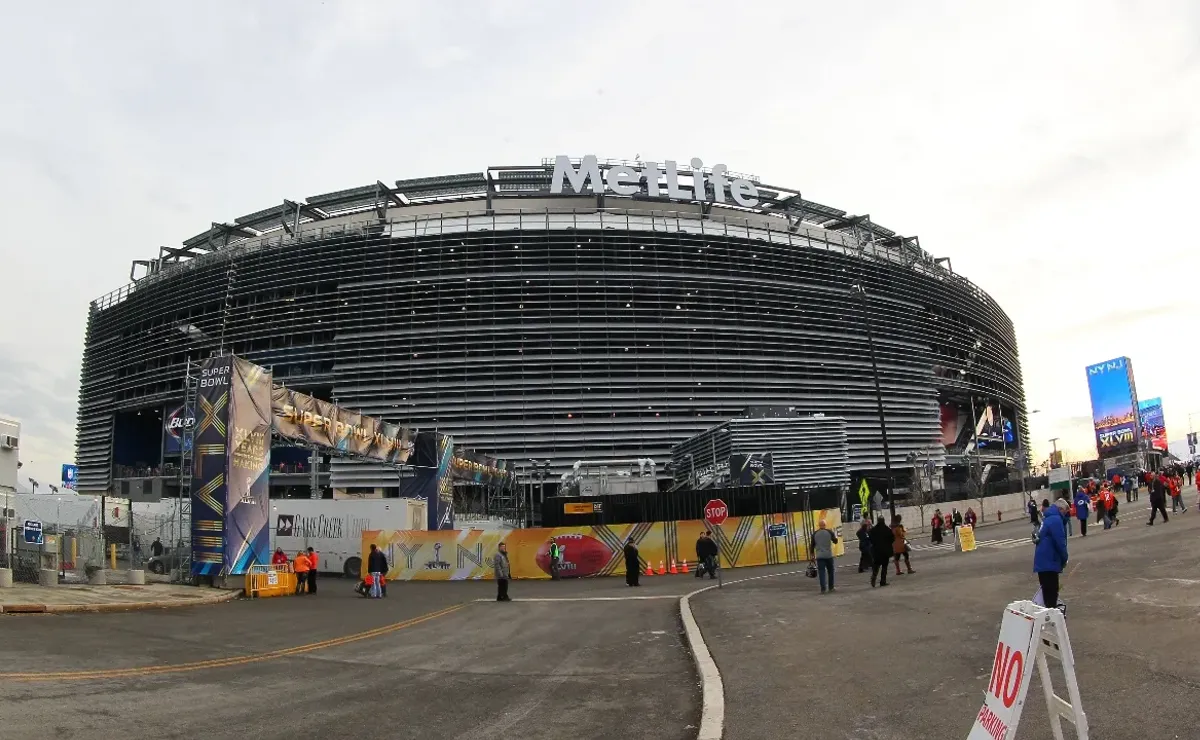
<point>47,577</point>
<point>5,577</point>
<point>98,577</point>
<point>136,577</point>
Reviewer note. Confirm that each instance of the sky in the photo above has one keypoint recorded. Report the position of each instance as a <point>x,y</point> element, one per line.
<point>1049,149</point>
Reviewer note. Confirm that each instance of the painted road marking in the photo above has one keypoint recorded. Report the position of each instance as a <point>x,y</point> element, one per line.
<point>152,670</point>
<point>592,598</point>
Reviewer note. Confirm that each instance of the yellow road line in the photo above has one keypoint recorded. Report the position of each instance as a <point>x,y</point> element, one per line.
<point>138,671</point>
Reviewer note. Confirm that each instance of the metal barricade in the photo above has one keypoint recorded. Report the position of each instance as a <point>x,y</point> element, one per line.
<point>270,580</point>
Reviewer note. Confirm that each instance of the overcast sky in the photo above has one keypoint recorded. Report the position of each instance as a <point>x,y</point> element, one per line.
<point>1050,149</point>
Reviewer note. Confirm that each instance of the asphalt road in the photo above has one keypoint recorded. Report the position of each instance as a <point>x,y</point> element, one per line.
<point>912,660</point>
<point>579,659</point>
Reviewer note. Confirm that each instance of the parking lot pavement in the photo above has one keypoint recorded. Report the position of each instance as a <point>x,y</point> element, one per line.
<point>528,669</point>
<point>912,660</point>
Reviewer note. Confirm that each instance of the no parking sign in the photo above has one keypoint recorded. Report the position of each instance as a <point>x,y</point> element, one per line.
<point>1009,684</point>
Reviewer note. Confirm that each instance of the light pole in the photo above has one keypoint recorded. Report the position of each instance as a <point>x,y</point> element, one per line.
<point>887,453</point>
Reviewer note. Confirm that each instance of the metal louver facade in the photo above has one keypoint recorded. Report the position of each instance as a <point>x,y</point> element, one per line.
<point>556,328</point>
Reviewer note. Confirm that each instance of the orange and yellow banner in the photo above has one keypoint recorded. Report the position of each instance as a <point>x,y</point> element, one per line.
<point>462,554</point>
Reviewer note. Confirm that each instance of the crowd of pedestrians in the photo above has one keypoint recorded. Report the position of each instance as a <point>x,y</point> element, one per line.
<point>879,544</point>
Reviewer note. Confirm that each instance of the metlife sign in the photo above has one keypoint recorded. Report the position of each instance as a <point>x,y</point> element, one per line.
<point>694,185</point>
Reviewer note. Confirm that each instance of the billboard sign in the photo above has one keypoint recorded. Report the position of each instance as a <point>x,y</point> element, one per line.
<point>70,475</point>
<point>1114,407</point>
<point>209,490</point>
<point>755,469</point>
<point>313,421</point>
<point>247,538</point>
<point>176,421</point>
<point>1154,427</point>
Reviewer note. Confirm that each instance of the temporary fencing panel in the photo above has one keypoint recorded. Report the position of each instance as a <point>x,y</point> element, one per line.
<point>263,581</point>
<point>448,555</point>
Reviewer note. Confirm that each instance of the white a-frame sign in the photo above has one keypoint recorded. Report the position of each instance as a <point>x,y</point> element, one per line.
<point>1029,634</point>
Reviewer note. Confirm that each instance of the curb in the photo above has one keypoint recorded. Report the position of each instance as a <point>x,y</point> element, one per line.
<point>114,607</point>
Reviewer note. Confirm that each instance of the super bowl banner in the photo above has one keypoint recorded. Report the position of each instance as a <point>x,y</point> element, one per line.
<point>454,555</point>
<point>209,466</point>
<point>475,467</point>
<point>755,469</point>
<point>304,418</point>
<point>1114,407</point>
<point>1154,426</point>
<point>247,538</point>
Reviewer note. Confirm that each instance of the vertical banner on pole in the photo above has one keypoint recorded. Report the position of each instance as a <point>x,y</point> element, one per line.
<point>209,467</point>
<point>247,538</point>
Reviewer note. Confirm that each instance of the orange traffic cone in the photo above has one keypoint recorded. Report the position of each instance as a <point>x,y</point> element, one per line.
<point>685,570</point>
<point>673,569</point>
<point>662,568</point>
<point>649,569</point>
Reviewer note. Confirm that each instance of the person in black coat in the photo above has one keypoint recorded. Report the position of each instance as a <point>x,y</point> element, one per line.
<point>882,539</point>
<point>633,568</point>
<point>865,561</point>
<point>706,554</point>
<point>1158,498</point>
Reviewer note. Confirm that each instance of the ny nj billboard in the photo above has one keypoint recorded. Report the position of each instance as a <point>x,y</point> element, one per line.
<point>1114,407</point>
<point>1154,427</point>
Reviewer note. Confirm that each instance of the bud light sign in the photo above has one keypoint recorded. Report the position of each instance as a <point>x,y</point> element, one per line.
<point>176,422</point>
<point>1114,407</point>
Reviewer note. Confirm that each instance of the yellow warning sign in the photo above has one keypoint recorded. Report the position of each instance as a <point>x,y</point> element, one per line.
<point>966,537</point>
<point>864,497</point>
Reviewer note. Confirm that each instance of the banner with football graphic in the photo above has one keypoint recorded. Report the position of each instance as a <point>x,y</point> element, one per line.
<point>466,554</point>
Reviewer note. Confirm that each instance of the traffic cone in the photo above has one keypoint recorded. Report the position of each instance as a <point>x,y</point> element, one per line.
<point>662,568</point>
<point>673,569</point>
<point>649,569</point>
<point>685,570</point>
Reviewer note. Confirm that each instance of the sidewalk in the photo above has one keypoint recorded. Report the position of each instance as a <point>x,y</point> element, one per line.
<point>24,598</point>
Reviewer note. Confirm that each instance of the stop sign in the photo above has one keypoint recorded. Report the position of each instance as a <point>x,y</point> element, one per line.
<point>716,512</point>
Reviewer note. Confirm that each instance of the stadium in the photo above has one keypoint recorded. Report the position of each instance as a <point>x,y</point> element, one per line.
<point>573,309</point>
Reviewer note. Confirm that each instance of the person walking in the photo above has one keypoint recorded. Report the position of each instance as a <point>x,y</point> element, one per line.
<point>706,553</point>
<point>956,520</point>
<point>1081,510</point>
<point>900,544</point>
<point>377,566</point>
<point>1034,518</point>
<point>1158,499</point>
<point>633,566</point>
<point>300,565</point>
<point>1109,502</point>
<point>864,545</point>
<point>1050,554</point>
<point>156,548</point>
<point>1175,487</point>
<point>1127,484</point>
<point>877,502</point>
<point>935,524</point>
<point>555,553</point>
<point>313,561</point>
<point>971,519</point>
<point>502,571</point>
<point>821,546</point>
<point>882,540</point>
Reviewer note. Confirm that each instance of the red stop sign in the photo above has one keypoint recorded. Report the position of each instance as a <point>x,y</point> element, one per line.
<point>716,512</point>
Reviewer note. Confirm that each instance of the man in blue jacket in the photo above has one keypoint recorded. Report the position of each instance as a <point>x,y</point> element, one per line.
<point>1082,500</point>
<point>1050,555</point>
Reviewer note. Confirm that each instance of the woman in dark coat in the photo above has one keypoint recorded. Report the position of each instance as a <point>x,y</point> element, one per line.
<point>633,569</point>
<point>865,561</point>
<point>882,539</point>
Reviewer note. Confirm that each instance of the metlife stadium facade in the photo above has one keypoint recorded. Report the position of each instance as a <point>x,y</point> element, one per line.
<point>576,309</point>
